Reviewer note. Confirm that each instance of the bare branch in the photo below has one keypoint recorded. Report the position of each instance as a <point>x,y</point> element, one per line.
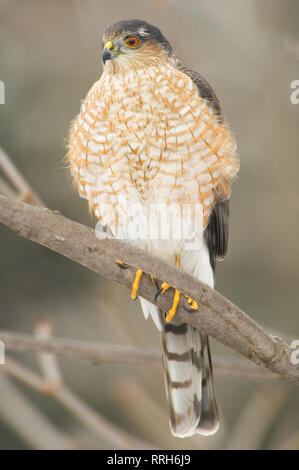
<point>48,362</point>
<point>102,353</point>
<point>95,352</point>
<point>98,423</point>
<point>7,190</point>
<point>217,316</point>
<point>83,412</point>
<point>27,421</point>
<point>91,419</point>
<point>17,179</point>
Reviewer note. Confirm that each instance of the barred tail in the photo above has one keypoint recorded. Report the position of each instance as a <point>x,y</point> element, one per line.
<point>209,418</point>
<point>189,380</point>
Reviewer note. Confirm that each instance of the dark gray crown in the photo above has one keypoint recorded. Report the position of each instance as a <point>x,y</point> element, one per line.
<point>140,28</point>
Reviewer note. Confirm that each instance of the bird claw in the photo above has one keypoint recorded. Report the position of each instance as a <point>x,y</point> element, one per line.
<point>160,290</point>
<point>121,264</point>
<point>192,303</point>
<point>135,285</point>
<point>190,309</point>
<point>154,281</point>
<point>176,300</point>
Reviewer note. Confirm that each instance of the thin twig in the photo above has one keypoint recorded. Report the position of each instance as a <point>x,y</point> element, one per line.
<point>48,362</point>
<point>84,413</point>
<point>217,316</point>
<point>27,421</point>
<point>7,190</point>
<point>94,352</point>
<point>98,423</point>
<point>17,179</point>
<point>102,353</point>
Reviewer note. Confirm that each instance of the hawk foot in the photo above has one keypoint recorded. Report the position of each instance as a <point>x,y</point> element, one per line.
<point>121,264</point>
<point>192,303</point>
<point>135,285</point>
<point>136,282</point>
<point>176,299</point>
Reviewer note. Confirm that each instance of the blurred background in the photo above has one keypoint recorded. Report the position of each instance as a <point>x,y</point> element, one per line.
<point>249,52</point>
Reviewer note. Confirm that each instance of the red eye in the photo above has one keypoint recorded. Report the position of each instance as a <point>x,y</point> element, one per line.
<point>132,41</point>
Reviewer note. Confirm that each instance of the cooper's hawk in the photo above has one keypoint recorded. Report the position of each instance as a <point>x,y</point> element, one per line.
<point>150,135</point>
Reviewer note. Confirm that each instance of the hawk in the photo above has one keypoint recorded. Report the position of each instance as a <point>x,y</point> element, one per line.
<point>150,134</point>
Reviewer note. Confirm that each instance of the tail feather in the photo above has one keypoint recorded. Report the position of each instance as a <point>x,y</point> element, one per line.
<point>189,380</point>
<point>209,418</point>
<point>188,375</point>
<point>182,371</point>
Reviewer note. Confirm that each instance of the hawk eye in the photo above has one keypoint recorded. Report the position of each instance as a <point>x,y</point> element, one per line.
<point>132,41</point>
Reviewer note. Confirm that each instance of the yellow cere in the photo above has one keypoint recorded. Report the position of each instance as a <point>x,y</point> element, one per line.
<point>108,45</point>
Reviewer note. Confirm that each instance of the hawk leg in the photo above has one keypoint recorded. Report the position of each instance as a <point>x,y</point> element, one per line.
<point>121,264</point>
<point>135,285</point>
<point>176,299</point>
<point>164,287</point>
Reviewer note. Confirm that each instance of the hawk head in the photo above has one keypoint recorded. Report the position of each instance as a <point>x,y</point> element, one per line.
<point>135,43</point>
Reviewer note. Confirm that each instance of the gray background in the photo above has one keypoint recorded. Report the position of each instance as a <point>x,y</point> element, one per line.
<point>249,52</point>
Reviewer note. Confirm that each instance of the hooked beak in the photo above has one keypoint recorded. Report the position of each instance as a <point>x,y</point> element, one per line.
<point>109,51</point>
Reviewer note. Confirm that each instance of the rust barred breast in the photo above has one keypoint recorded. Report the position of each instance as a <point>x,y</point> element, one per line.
<point>149,135</point>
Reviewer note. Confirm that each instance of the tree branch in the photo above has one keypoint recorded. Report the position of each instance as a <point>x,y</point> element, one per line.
<point>217,316</point>
<point>90,418</point>
<point>41,433</point>
<point>102,353</point>
<point>18,181</point>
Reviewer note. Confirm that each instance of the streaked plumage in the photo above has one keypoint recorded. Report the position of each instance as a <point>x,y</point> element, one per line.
<point>151,132</point>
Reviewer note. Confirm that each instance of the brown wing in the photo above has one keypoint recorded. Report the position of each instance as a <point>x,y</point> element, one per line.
<point>218,227</point>
<point>217,231</point>
<point>205,90</point>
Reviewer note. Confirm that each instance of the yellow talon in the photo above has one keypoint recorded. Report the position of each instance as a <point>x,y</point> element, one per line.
<point>174,307</point>
<point>135,285</point>
<point>121,264</point>
<point>192,303</point>
<point>177,294</point>
<point>164,287</point>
